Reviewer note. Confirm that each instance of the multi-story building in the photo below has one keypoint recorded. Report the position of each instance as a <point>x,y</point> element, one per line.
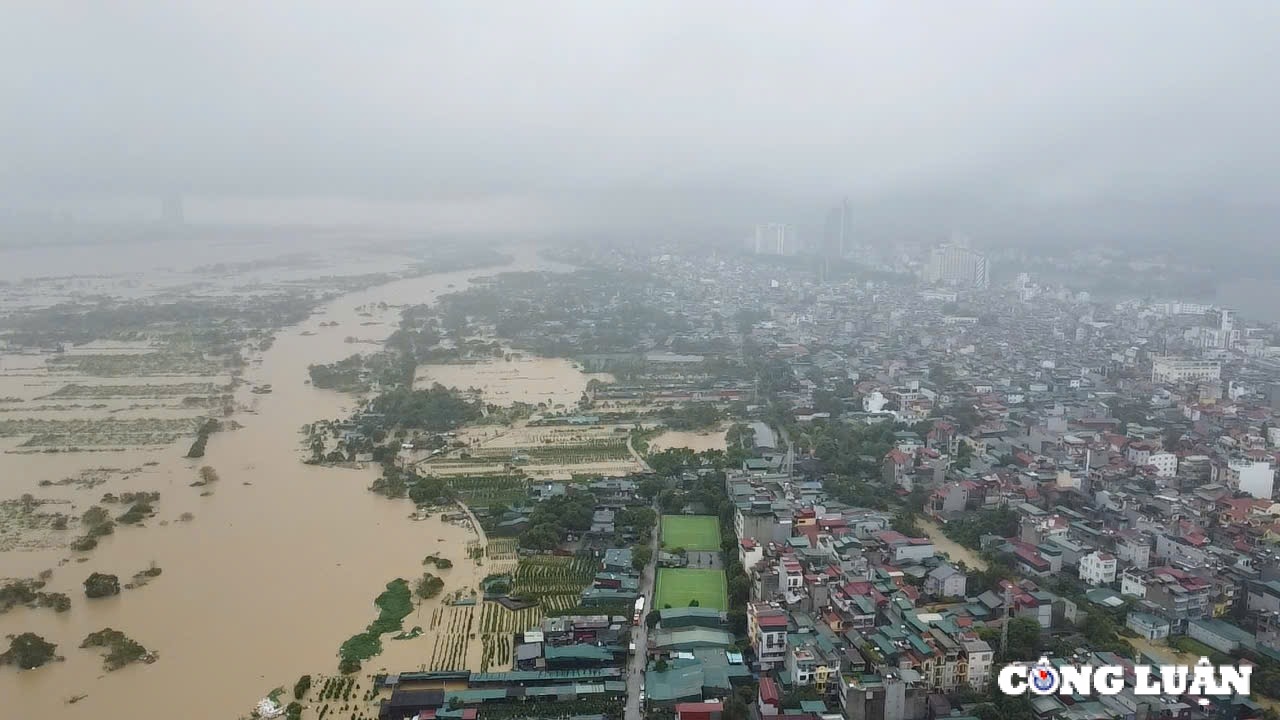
<point>767,630</point>
<point>1098,568</point>
<point>1133,548</point>
<point>790,576</point>
<point>811,663</point>
<point>1179,370</point>
<point>775,239</point>
<point>1256,478</point>
<point>980,658</point>
<point>945,581</point>
<point>959,265</point>
<point>1165,463</point>
<point>837,235</point>
<point>1176,596</point>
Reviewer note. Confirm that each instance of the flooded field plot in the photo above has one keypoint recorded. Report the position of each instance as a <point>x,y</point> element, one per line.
<point>40,433</point>
<point>552,382</point>
<point>696,441</point>
<point>136,365</point>
<point>112,392</point>
<point>538,451</point>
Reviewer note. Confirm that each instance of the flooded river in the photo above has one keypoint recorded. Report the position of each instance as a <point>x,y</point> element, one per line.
<point>279,565</point>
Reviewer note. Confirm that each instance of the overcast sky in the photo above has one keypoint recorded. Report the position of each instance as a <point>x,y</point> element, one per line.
<point>987,118</point>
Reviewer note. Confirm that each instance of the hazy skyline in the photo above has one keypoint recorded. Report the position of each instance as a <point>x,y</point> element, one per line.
<point>1138,118</point>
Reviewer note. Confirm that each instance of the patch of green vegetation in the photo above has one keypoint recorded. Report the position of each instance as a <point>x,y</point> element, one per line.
<point>28,651</point>
<point>439,562</point>
<point>121,650</point>
<point>429,586</point>
<point>207,428</point>
<point>137,513</point>
<point>437,408</point>
<point>394,605</point>
<point>99,585</point>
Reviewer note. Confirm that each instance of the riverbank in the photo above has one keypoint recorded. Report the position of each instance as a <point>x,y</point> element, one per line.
<point>278,566</point>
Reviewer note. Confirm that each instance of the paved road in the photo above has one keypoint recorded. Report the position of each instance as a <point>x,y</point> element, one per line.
<point>640,635</point>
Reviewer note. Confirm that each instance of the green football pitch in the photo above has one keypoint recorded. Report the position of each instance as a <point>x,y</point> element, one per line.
<point>700,533</point>
<point>678,586</point>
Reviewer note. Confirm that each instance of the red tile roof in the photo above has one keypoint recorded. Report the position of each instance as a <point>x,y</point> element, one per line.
<point>699,707</point>
<point>769,691</point>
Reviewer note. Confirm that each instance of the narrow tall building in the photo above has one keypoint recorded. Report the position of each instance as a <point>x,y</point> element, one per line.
<point>837,237</point>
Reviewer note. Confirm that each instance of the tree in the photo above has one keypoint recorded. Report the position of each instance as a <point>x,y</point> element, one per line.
<point>95,515</point>
<point>671,501</point>
<point>735,709</point>
<point>649,488</point>
<point>99,585</point>
<point>905,523</point>
<point>301,687</point>
<point>964,457</point>
<point>694,603</point>
<point>651,620</point>
<point>429,586</point>
<point>1024,639</point>
<point>661,665</point>
<point>28,651</point>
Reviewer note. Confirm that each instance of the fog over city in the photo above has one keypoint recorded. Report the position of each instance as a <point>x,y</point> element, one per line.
<point>1010,122</point>
<point>639,360</point>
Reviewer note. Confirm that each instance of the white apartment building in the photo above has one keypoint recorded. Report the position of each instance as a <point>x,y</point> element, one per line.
<point>1178,370</point>
<point>1098,568</point>
<point>1256,478</point>
<point>959,265</point>
<point>981,659</point>
<point>1133,582</point>
<point>1166,463</point>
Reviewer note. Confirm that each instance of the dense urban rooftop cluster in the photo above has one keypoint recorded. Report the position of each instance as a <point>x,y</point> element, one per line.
<point>924,481</point>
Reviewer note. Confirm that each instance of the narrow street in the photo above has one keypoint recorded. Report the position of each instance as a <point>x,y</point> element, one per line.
<point>640,635</point>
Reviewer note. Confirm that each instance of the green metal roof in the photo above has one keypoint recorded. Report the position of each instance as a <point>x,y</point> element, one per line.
<point>577,652</point>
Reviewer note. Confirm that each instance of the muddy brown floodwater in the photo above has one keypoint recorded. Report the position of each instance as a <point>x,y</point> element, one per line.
<point>267,580</point>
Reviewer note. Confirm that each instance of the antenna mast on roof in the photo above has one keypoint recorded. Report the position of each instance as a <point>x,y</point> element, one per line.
<point>1004,629</point>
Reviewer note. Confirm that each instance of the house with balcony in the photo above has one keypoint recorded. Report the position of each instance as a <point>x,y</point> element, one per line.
<point>811,660</point>
<point>767,631</point>
<point>1098,568</point>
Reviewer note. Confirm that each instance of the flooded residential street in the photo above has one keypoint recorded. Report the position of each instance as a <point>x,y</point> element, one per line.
<point>953,549</point>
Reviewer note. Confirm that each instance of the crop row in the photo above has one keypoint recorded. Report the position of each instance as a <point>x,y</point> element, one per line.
<point>541,576</point>
<point>453,628</point>
<point>496,619</point>
<point>489,490</point>
<point>495,652</point>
